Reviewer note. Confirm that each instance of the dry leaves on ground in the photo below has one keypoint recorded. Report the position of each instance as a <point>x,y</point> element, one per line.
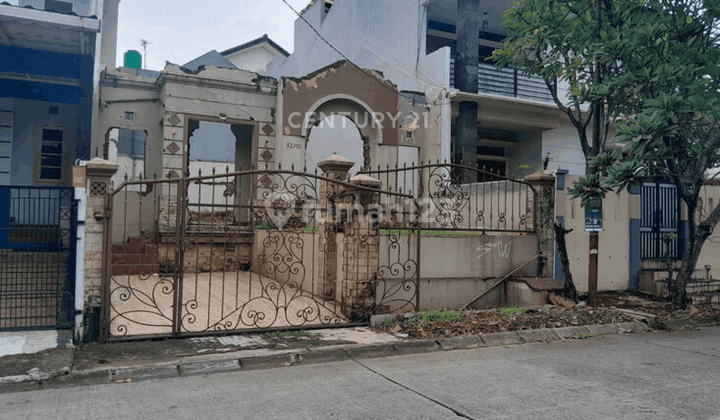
<point>492,321</point>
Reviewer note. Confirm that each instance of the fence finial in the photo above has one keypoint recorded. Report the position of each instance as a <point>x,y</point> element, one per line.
<point>279,166</point>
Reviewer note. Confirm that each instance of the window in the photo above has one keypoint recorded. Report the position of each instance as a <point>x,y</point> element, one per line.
<point>51,154</point>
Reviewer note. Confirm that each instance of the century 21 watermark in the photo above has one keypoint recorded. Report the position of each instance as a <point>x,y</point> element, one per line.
<point>359,119</point>
<point>281,207</point>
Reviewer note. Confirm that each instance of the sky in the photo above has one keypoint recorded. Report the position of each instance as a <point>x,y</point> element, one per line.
<point>180,30</point>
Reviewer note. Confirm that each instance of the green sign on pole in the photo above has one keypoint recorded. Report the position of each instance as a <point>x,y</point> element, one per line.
<point>593,216</point>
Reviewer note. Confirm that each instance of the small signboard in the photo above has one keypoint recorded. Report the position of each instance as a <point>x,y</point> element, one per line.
<point>593,216</point>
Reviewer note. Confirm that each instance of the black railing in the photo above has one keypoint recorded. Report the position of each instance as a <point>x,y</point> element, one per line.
<point>37,256</point>
<point>508,81</point>
<point>456,197</point>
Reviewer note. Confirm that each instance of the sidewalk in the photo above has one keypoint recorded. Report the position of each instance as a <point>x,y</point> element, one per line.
<point>124,362</point>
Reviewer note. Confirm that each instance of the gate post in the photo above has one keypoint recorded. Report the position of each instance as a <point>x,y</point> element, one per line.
<point>542,221</point>
<point>361,253</point>
<point>326,279</point>
<point>98,173</point>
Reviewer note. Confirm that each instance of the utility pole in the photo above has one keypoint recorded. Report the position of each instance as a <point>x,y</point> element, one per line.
<point>594,244</point>
<point>144,43</point>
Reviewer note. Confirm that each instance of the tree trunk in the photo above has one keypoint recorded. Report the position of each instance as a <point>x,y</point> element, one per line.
<point>569,290</point>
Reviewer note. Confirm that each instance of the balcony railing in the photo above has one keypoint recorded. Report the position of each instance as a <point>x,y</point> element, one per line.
<point>509,81</point>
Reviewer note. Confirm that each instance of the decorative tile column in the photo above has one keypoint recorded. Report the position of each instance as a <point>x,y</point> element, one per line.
<point>98,172</point>
<point>543,219</point>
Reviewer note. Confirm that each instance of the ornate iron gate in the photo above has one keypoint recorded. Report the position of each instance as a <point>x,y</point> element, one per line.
<point>38,230</point>
<point>660,208</point>
<point>252,250</point>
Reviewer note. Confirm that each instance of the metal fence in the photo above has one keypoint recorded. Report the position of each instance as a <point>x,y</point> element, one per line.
<point>508,81</point>
<point>37,256</point>
<point>456,197</point>
<point>253,250</point>
<point>659,224</point>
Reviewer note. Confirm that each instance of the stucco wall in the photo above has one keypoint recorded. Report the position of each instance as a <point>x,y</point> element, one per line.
<point>389,39</point>
<point>614,240</point>
<point>563,145</point>
<point>710,255</point>
<point>253,59</point>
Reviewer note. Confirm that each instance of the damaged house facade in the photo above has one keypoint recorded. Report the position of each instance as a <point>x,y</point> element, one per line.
<point>242,211</point>
<point>253,189</point>
<point>502,121</point>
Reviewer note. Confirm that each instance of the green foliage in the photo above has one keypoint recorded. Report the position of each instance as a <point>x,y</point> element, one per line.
<point>604,160</point>
<point>512,310</point>
<point>589,188</point>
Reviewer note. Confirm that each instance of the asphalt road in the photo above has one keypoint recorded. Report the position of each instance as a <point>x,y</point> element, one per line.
<point>644,376</point>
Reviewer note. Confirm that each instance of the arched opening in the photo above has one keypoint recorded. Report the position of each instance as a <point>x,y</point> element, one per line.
<point>336,134</point>
<point>126,148</point>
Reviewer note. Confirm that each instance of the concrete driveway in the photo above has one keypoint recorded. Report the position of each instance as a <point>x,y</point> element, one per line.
<point>236,300</point>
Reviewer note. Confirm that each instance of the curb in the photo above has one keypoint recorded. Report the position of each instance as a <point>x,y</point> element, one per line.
<point>674,324</point>
<point>242,361</point>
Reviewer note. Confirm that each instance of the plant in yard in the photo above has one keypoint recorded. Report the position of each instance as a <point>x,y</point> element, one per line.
<point>649,67</point>
<point>666,92</point>
<point>559,41</point>
<point>512,310</point>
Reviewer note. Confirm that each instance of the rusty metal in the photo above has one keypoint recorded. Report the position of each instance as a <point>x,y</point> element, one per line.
<point>593,268</point>
<point>214,259</point>
<point>464,197</point>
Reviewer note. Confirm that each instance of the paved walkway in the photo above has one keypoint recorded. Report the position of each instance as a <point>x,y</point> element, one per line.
<point>26,342</point>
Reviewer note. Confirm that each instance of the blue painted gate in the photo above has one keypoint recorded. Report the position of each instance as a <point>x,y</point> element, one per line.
<point>660,207</point>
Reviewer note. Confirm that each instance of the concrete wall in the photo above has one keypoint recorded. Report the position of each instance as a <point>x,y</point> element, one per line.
<point>563,145</point>
<point>253,59</point>
<point>453,256</point>
<point>710,255</point>
<point>390,36</point>
<point>614,240</point>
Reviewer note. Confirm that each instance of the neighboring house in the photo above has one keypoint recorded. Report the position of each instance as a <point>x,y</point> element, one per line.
<point>255,55</point>
<point>502,121</point>
<point>50,51</point>
<point>415,44</point>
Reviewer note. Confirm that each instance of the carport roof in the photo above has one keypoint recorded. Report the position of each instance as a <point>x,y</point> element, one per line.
<point>26,27</point>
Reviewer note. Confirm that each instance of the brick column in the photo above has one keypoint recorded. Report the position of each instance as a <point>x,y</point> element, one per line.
<point>543,219</point>
<point>360,252</point>
<point>327,281</point>
<point>98,172</point>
